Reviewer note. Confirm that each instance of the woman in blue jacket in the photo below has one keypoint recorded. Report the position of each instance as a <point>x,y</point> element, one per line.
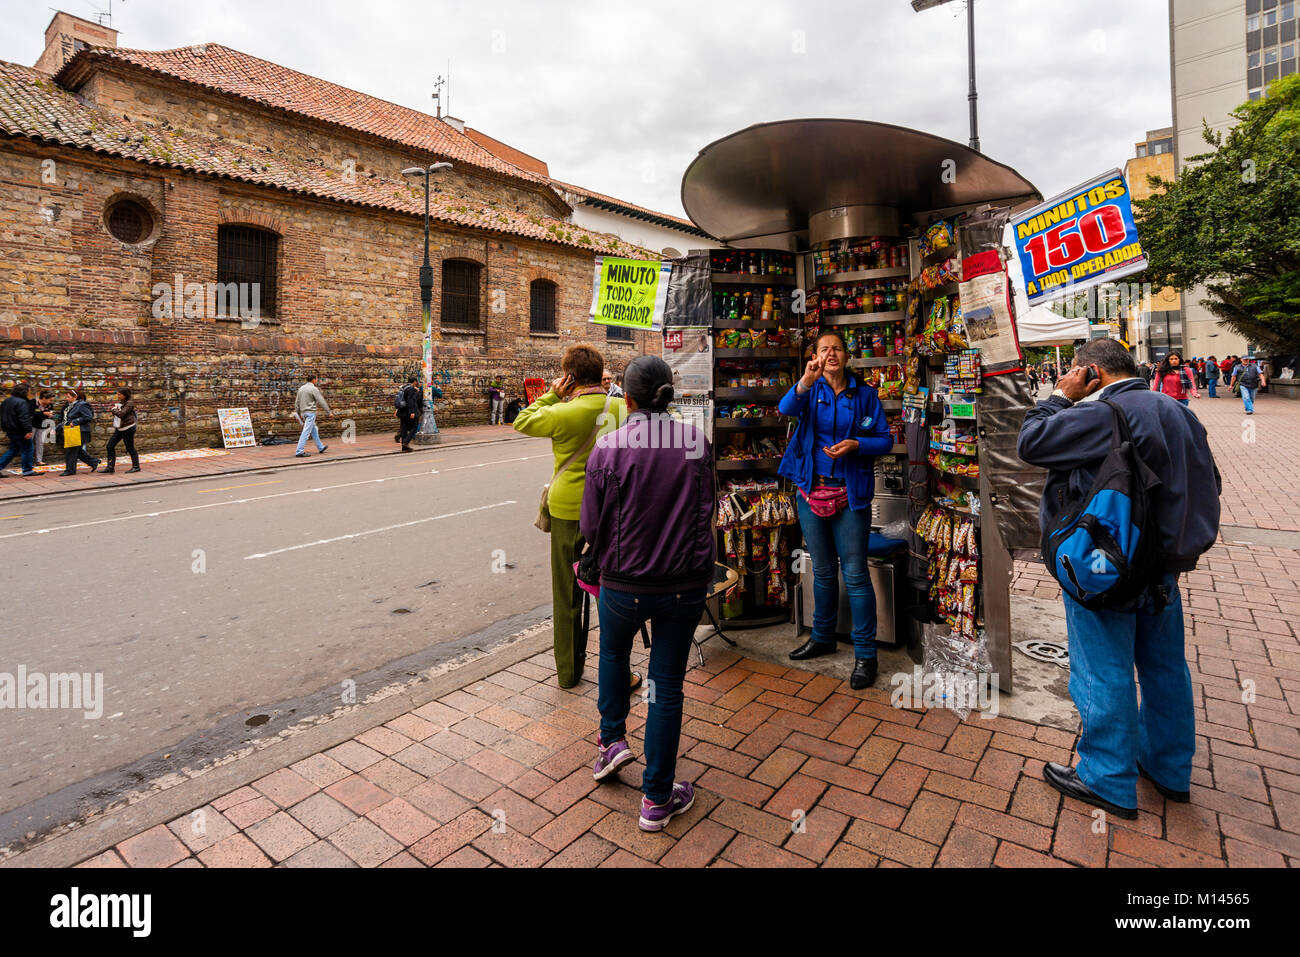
<point>831,458</point>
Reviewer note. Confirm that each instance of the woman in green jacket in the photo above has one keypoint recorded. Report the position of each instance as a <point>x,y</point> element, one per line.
<point>570,416</point>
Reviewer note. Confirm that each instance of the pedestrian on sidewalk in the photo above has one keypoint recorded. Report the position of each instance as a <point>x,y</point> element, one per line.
<point>841,428</point>
<point>647,513</point>
<point>1247,379</point>
<point>124,421</point>
<point>497,399</point>
<point>78,412</point>
<point>1212,376</point>
<point>610,384</point>
<point>1173,379</point>
<point>1032,374</point>
<point>16,422</point>
<point>42,424</point>
<point>572,414</point>
<point>1121,738</point>
<point>306,406</point>
<point>409,409</point>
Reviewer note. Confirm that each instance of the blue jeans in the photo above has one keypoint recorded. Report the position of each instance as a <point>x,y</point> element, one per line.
<point>1248,398</point>
<point>673,619</point>
<point>1213,384</point>
<point>1183,401</point>
<point>309,430</point>
<point>19,448</point>
<point>1117,733</point>
<point>839,543</point>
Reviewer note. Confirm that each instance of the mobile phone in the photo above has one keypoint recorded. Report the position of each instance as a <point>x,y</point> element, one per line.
<point>1090,376</point>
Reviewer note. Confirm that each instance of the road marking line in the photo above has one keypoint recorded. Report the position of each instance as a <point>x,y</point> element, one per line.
<point>242,501</point>
<point>376,531</point>
<point>227,488</point>
<point>5,518</point>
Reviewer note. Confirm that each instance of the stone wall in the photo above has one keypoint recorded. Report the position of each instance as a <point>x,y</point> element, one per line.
<point>77,306</point>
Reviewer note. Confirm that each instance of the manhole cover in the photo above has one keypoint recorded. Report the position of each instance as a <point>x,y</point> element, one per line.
<point>1053,652</point>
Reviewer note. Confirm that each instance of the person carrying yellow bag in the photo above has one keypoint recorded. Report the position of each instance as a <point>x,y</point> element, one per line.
<point>77,416</point>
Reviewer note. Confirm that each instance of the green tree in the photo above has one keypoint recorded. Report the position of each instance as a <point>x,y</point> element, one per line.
<point>1231,222</point>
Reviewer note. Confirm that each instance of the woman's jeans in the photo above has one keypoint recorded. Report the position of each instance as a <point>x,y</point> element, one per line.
<point>127,438</point>
<point>673,619</point>
<point>835,543</point>
<point>1117,731</point>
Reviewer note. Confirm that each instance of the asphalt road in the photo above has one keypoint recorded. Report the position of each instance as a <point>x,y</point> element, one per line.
<point>203,600</point>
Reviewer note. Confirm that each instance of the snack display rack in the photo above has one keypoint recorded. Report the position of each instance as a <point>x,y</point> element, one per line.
<point>756,339</point>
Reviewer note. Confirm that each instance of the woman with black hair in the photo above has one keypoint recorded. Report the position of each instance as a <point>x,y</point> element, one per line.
<point>77,412</point>
<point>647,513</point>
<point>841,428</point>
<point>1173,379</point>
<point>124,420</point>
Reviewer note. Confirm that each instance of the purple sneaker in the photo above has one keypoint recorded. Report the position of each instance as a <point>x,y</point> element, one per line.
<point>610,759</point>
<point>655,817</point>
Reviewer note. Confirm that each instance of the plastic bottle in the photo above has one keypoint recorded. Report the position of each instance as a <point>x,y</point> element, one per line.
<point>766,313</point>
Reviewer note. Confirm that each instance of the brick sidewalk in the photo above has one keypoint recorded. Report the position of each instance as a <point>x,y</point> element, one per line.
<point>224,461</point>
<point>877,785</point>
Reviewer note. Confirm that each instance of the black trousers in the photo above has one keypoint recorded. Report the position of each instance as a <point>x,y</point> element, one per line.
<point>408,427</point>
<point>127,438</point>
<point>72,455</point>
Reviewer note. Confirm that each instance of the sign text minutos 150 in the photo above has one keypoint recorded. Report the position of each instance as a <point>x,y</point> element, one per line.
<point>1081,238</point>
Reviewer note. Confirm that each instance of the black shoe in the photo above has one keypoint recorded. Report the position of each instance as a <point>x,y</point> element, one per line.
<point>133,468</point>
<point>1178,797</point>
<point>323,448</point>
<point>94,465</point>
<point>813,649</point>
<point>1066,780</point>
<point>407,448</point>
<point>864,674</point>
<point>108,471</point>
<point>66,474</point>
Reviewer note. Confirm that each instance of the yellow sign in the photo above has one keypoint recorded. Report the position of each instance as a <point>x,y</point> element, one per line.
<point>629,292</point>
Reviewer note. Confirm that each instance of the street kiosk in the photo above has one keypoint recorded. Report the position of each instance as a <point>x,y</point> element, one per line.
<point>865,227</point>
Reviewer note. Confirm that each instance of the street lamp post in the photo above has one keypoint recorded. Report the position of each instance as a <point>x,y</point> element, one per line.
<point>428,433</point>
<point>972,97</point>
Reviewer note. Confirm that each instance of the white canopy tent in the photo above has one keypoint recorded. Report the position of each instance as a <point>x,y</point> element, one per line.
<point>1038,325</point>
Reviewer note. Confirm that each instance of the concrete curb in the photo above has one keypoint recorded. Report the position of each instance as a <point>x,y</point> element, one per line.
<point>98,835</point>
<point>516,437</point>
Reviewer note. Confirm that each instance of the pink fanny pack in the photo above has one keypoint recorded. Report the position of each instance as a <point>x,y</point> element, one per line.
<point>826,500</point>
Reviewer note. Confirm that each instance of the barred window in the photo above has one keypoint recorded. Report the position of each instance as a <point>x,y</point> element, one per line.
<point>618,334</point>
<point>541,298</point>
<point>461,294</point>
<point>247,255</point>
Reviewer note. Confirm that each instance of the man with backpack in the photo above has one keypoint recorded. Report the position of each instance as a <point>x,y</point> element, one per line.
<point>410,406</point>
<point>1127,495</point>
<point>1247,378</point>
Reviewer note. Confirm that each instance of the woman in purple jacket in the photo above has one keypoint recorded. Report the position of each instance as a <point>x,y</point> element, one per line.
<point>647,512</point>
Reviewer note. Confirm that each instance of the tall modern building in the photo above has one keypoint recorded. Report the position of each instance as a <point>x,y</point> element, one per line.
<point>1155,322</point>
<point>1221,53</point>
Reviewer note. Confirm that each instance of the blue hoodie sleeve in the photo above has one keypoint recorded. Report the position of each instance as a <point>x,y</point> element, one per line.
<point>792,403</point>
<point>1056,435</point>
<point>874,437</point>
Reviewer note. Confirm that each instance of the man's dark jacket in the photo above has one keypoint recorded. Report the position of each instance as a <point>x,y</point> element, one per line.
<point>412,401</point>
<point>15,416</point>
<point>1072,441</point>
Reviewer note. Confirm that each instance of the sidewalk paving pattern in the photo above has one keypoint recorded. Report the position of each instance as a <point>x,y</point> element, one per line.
<point>795,769</point>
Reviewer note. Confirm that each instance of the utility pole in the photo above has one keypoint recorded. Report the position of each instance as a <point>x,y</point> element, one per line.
<point>428,433</point>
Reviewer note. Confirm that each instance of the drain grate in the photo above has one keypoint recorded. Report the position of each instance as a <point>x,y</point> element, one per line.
<point>1053,652</point>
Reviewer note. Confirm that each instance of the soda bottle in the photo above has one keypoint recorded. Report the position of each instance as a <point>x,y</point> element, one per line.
<point>877,342</point>
<point>878,299</point>
<point>898,340</point>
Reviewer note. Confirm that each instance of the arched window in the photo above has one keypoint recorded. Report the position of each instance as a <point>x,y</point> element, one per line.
<point>247,255</point>
<point>461,294</point>
<point>541,308</point>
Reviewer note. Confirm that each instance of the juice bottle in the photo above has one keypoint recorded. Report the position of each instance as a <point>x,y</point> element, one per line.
<point>877,342</point>
<point>766,314</point>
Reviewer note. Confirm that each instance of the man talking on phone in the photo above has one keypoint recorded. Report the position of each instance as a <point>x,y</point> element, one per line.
<point>1070,434</point>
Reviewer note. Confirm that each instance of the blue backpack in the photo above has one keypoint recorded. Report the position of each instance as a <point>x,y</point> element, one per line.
<point>1104,549</point>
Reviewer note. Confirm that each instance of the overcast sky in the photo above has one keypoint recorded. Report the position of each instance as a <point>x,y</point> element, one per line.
<point>620,97</point>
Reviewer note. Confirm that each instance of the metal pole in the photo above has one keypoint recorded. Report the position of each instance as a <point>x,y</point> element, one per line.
<point>428,433</point>
<point>970,53</point>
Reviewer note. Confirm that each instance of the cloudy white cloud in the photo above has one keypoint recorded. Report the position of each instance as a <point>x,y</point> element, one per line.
<point>620,97</point>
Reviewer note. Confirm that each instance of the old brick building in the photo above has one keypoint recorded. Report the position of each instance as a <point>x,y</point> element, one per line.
<point>128,176</point>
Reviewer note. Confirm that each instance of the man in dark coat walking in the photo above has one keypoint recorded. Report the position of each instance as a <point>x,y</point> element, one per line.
<point>16,421</point>
<point>409,410</point>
